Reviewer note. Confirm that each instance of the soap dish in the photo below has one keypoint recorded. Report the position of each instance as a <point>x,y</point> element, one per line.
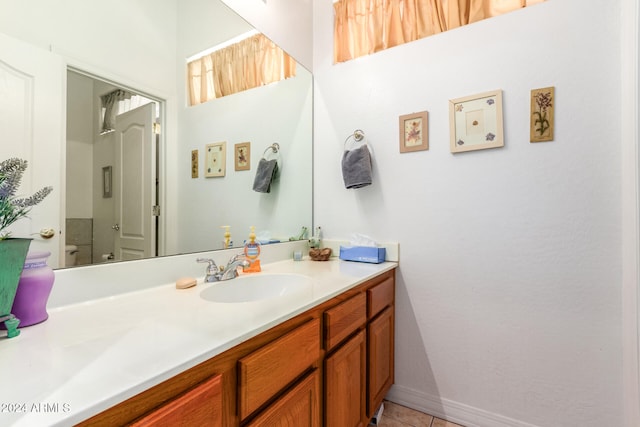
<point>320,254</point>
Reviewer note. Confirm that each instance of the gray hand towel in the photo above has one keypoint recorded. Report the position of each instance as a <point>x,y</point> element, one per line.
<point>356,167</point>
<point>265,174</point>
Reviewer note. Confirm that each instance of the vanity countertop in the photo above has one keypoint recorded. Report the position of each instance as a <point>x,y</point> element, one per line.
<point>92,355</point>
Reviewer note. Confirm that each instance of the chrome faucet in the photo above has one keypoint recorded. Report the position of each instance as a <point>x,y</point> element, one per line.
<point>228,272</point>
<point>231,269</point>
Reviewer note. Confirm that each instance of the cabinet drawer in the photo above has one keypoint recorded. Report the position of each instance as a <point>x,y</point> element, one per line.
<point>266,371</point>
<point>380,296</point>
<point>344,319</point>
<point>200,406</point>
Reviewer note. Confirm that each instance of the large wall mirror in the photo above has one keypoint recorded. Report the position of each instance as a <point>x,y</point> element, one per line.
<point>142,47</point>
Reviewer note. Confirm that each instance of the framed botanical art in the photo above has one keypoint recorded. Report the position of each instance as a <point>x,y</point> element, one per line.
<point>107,179</point>
<point>215,159</point>
<point>194,163</point>
<point>476,122</point>
<point>414,132</point>
<point>542,111</point>
<point>242,156</point>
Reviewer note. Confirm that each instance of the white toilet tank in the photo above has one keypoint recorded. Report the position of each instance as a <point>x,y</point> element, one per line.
<point>70,253</point>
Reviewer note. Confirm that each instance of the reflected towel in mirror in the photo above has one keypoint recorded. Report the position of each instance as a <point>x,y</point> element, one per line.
<point>356,167</point>
<point>265,174</point>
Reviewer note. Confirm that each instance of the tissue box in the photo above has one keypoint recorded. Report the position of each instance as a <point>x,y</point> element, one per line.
<point>363,254</point>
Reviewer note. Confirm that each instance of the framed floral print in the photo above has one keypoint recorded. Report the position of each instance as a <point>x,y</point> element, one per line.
<point>476,122</point>
<point>542,111</point>
<point>242,156</point>
<point>414,132</point>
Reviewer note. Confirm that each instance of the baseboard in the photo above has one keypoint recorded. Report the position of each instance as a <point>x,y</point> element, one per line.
<point>450,410</point>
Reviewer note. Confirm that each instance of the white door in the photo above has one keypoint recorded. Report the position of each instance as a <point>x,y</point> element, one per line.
<point>134,172</point>
<point>32,127</point>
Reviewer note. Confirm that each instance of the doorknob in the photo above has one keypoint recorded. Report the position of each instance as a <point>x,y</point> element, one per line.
<point>115,227</point>
<point>47,233</point>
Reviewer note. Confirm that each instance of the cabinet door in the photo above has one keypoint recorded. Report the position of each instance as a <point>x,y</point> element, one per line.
<point>299,407</point>
<point>380,343</point>
<point>345,384</point>
<point>200,406</point>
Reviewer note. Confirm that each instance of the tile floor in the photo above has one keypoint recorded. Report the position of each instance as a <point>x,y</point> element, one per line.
<point>395,415</point>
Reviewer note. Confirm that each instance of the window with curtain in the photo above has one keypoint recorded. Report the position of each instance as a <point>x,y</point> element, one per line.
<point>252,62</point>
<point>362,27</point>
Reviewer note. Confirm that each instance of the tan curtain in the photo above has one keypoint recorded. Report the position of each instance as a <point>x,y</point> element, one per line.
<point>252,62</point>
<point>362,27</point>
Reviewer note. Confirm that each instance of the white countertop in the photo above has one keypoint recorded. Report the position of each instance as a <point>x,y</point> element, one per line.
<point>92,355</point>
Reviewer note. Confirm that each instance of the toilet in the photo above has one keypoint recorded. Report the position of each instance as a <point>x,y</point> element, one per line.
<point>70,253</point>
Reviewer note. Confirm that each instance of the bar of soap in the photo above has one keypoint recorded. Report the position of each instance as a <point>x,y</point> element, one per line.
<point>185,282</point>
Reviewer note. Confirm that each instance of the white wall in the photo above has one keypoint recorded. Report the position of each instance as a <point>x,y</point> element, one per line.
<point>103,43</point>
<point>509,289</point>
<point>287,22</point>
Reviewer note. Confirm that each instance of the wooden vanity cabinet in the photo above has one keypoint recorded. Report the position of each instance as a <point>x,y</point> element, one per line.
<point>359,371</point>
<point>331,366</point>
<point>380,342</point>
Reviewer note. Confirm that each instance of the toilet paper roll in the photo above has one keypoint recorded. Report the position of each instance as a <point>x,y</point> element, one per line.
<point>105,257</point>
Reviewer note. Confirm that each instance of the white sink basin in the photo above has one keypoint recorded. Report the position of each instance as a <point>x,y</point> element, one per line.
<point>257,287</point>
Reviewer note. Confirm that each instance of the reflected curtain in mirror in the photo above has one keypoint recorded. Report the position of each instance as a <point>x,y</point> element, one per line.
<point>252,62</point>
<point>117,102</point>
<point>362,27</point>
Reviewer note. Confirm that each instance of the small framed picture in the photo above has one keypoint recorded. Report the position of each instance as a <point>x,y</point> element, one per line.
<point>542,111</point>
<point>216,160</point>
<point>194,163</point>
<point>414,132</point>
<point>476,122</point>
<point>107,177</point>
<point>242,156</point>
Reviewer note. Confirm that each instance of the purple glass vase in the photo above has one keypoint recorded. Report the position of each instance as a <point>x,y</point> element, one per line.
<point>36,281</point>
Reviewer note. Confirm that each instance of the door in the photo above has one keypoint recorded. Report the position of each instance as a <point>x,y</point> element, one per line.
<point>32,117</point>
<point>134,180</point>
<point>346,385</point>
<point>380,343</point>
<point>299,407</point>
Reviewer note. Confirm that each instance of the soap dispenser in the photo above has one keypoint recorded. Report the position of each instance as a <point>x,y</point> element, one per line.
<point>252,252</point>
<point>226,242</point>
<point>315,240</point>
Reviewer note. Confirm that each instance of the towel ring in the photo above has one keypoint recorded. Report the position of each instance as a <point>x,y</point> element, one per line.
<point>357,136</point>
<point>275,148</point>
